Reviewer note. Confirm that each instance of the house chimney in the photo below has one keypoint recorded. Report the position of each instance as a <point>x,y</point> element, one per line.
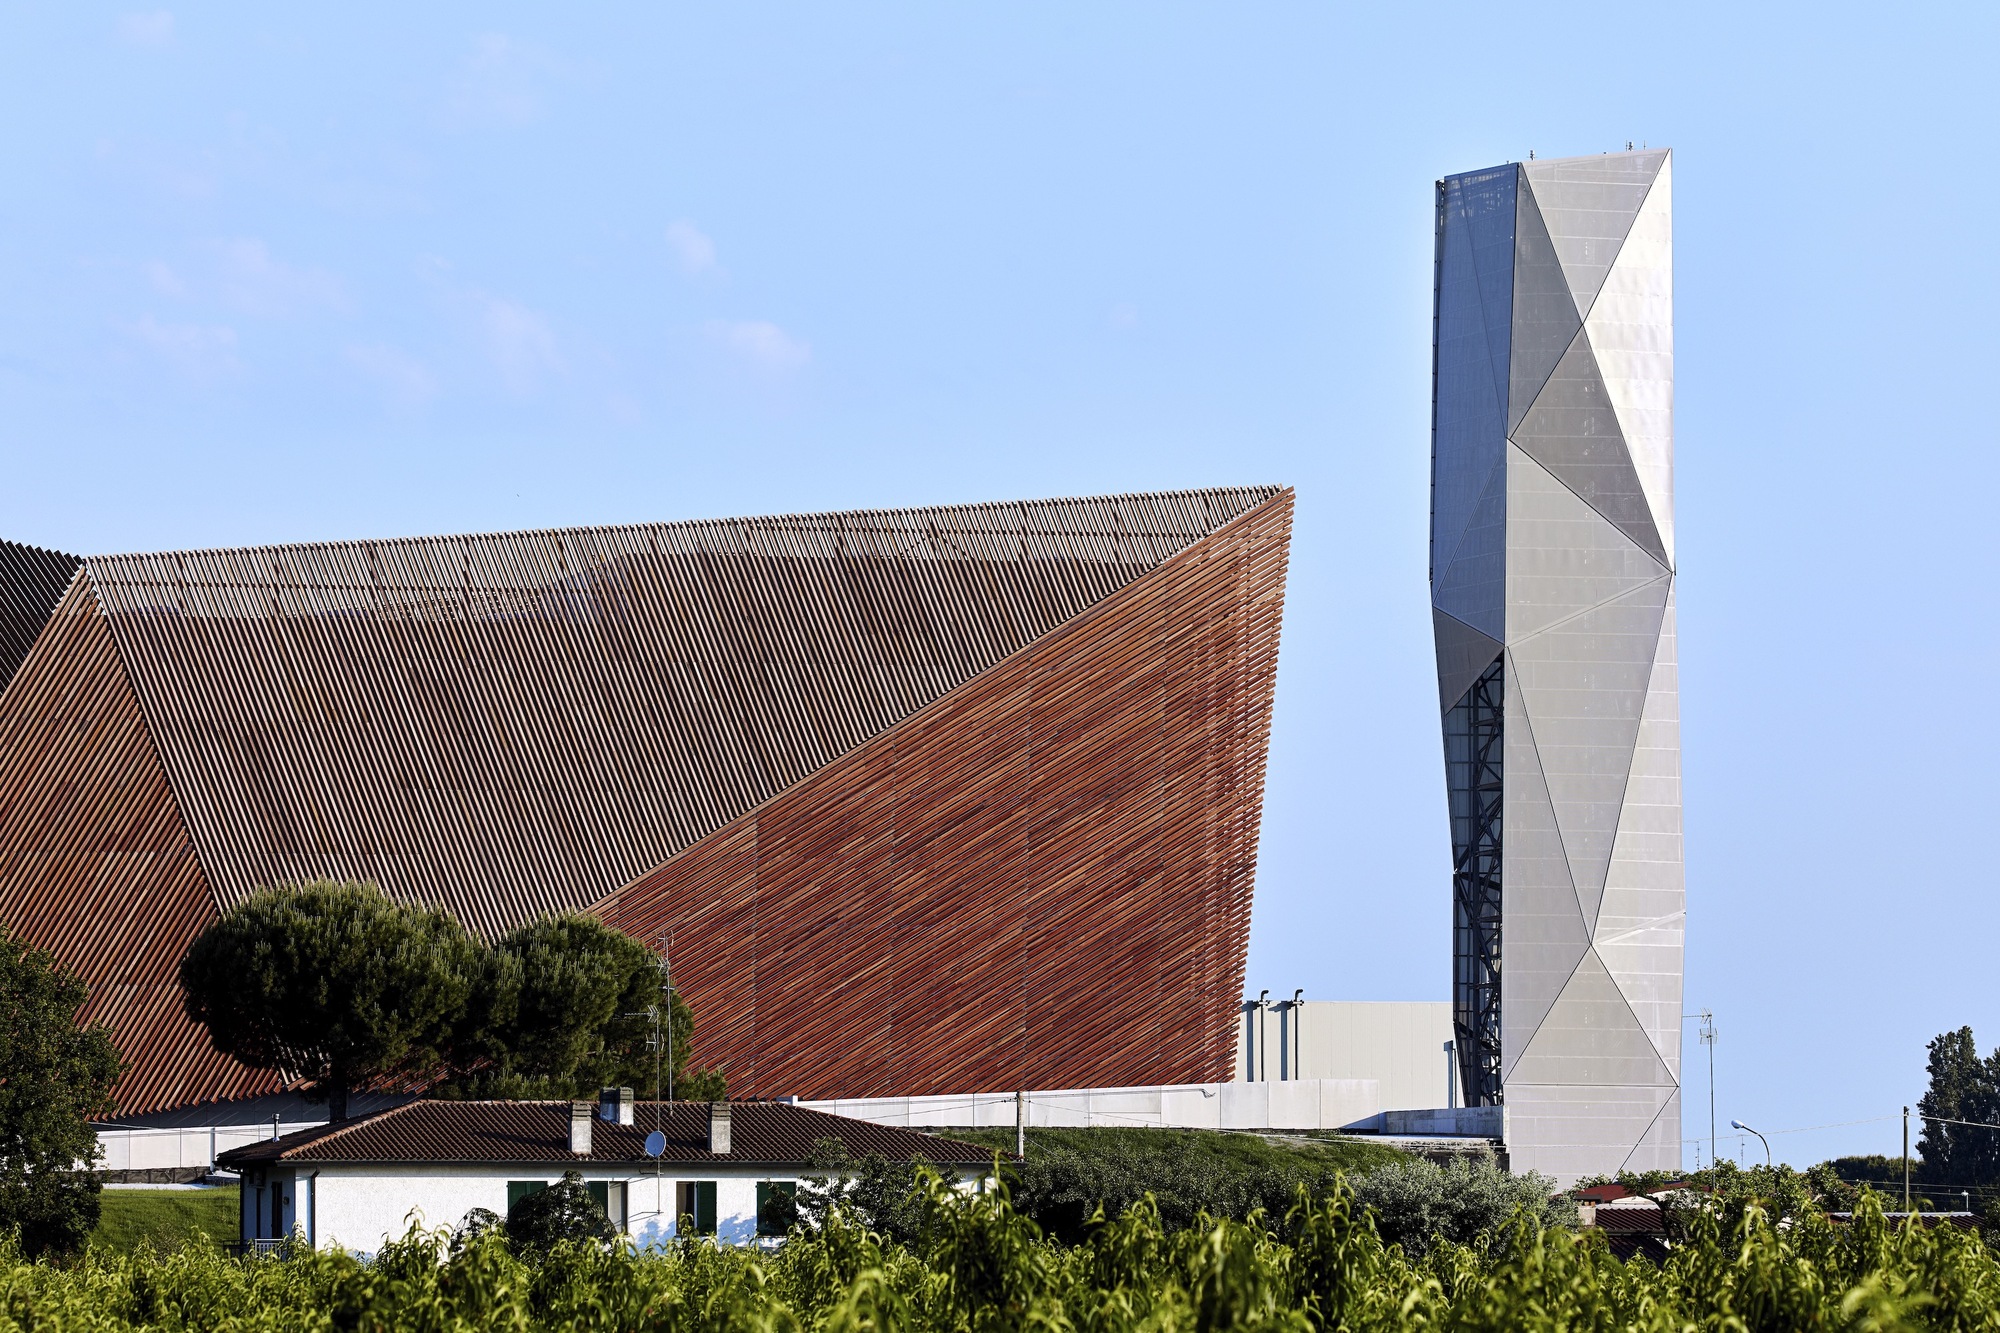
<point>615,1105</point>
<point>579,1127</point>
<point>718,1127</point>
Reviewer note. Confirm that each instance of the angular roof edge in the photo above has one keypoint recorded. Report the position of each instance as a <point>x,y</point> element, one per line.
<point>1254,494</point>
<point>1553,162</point>
<point>536,1133</point>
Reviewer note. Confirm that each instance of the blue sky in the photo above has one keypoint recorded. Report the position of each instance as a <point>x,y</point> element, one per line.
<point>270,276</point>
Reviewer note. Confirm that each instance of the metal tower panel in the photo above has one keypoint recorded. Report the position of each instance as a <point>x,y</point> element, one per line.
<point>1553,538</point>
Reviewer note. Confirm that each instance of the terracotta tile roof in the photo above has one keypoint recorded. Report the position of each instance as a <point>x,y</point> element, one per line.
<point>1612,1193</point>
<point>1637,1221</point>
<point>524,1132</point>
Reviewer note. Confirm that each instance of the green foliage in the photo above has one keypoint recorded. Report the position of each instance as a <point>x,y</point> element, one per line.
<point>976,1265</point>
<point>166,1219</point>
<point>1070,1172</point>
<point>564,1212</point>
<point>54,1076</point>
<point>1967,1088</point>
<point>1468,1200</point>
<point>1780,1192</point>
<point>330,981</point>
<point>338,983</point>
<point>560,1008</point>
<point>880,1194</point>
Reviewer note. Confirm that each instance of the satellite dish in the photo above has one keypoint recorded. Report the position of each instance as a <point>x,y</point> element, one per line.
<point>656,1143</point>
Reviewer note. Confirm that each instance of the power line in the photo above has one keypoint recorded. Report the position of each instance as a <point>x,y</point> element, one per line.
<point>1969,1124</point>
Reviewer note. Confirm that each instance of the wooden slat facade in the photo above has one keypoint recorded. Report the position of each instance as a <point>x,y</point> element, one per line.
<point>511,725</point>
<point>95,863</point>
<point>1041,880</point>
<point>716,724</point>
<point>32,581</point>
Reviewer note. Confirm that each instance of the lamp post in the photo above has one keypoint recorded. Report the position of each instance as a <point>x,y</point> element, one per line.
<point>1738,1124</point>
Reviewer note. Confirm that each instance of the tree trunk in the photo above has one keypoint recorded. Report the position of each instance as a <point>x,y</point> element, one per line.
<point>336,1100</point>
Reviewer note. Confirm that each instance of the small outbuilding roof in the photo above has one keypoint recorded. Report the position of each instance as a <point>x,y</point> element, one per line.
<point>525,1132</point>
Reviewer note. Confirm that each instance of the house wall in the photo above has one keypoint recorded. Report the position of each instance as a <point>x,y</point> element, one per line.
<point>361,1208</point>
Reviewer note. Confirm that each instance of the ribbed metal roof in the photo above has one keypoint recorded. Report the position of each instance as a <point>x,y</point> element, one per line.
<point>523,1133</point>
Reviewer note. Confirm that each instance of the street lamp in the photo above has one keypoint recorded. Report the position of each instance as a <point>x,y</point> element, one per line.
<point>1738,1124</point>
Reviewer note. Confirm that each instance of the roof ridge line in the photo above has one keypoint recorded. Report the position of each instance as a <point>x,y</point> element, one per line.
<point>1265,490</point>
<point>334,1131</point>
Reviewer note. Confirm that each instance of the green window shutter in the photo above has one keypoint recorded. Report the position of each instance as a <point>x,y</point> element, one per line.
<point>777,1207</point>
<point>694,1202</point>
<point>518,1190</point>
<point>600,1191</point>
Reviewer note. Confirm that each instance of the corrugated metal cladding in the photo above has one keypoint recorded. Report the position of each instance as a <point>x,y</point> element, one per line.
<point>514,724</point>
<point>1041,880</point>
<point>32,581</point>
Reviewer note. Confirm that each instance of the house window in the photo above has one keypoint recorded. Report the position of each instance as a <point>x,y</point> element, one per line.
<point>613,1202</point>
<point>694,1206</point>
<point>609,1195</point>
<point>777,1207</point>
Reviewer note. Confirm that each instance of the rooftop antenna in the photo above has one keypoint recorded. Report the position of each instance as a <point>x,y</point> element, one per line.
<point>667,998</point>
<point>656,1142</point>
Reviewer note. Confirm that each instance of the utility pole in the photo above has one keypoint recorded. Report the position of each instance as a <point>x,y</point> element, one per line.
<point>1708,1040</point>
<point>1906,1160</point>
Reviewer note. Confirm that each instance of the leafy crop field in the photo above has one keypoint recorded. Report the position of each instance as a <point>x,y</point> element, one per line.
<point>165,1219</point>
<point>980,1267</point>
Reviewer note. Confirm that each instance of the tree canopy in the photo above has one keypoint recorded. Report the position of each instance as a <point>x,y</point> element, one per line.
<point>1962,1087</point>
<point>54,1077</point>
<point>336,984</point>
<point>564,1006</point>
<point>330,982</point>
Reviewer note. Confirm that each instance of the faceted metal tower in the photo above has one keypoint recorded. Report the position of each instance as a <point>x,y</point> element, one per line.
<point>1552,599</point>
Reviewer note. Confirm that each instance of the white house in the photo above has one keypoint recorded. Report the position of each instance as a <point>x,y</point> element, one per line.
<point>360,1182</point>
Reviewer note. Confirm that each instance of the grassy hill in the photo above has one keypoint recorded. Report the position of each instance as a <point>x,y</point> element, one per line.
<point>1188,1171</point>
<point>168,1219</point>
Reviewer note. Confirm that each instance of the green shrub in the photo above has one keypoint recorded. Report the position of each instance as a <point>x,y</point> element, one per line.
<point>1469,1200</point>
<point>977,1265</point>
<point>1070,1172</point>
<point>564,1212</point>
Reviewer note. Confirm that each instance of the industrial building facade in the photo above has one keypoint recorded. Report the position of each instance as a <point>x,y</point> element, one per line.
<point>927,800</point>
<point>1552,591</point>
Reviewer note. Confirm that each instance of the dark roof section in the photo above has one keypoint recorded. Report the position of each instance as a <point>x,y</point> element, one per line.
<point>528,1132</point>
<point>32,581</point>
